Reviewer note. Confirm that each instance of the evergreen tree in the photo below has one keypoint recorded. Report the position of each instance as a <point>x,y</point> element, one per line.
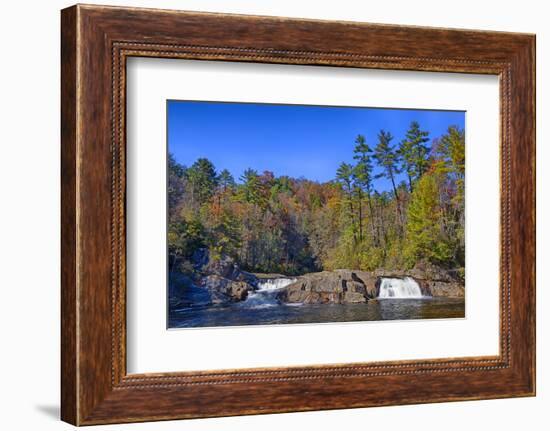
<point>388,159</point>
<point>363,181</point>
<point>344,175</point>
<point>414,153</point>
<point>202,179</point>
<point>253,188</point>
<point>226,180</point>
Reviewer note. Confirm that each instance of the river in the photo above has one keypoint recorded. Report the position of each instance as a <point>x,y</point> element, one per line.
<point>399,300</point>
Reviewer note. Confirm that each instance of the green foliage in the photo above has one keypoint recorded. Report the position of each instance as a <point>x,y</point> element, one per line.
<point>202,180</point>
<point>185,236</point>
<point>176,184</point>
<point>387,158</point>
<point>226,180</point>
<point>414,153</point>
<point>385,154</point>
<point>426,239</point>
<point>224,234</point>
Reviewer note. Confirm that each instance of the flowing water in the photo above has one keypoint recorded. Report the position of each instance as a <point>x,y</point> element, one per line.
<point>399,288</point>
<point>398,299</point>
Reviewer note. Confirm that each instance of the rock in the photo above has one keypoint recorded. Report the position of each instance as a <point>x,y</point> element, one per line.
<point>269,276</point>
<point>429,271</point>
<point>183,292</point>
<point>369,280</point>
<point>432,279</point>
<point>336,287</point>
<point>437,281</point>
<point>224,267</point>
<point>221,278</point>
<point>354,297</point>
<point>350,286</point>
<point>442,288</point>
<point>223,290</point>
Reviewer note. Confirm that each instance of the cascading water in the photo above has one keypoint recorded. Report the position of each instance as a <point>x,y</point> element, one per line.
<point>266,294</point>
<point>399,288</point>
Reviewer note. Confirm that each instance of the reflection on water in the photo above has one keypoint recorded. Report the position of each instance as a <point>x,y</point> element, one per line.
<point>250,313</point>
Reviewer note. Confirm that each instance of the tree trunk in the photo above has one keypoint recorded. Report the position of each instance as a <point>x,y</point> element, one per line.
<point>398,203</point>
<point>360,212</point>
<point>373,227</point>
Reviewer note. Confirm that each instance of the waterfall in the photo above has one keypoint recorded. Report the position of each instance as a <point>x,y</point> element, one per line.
<point>399,288</point>
<point>270,284</point>
<point>266,294</point>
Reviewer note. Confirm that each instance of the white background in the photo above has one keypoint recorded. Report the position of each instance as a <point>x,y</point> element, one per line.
<point>151,348</point>
<point>29,227</point>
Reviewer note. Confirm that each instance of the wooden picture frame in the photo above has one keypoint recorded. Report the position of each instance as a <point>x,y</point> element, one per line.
<point>95,43</point>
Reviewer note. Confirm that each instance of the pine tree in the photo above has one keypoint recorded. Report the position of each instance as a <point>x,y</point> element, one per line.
<point>388,159</point>
<point>226,180</point>
<point>363,181</point>
<point>202,179</point>
<point>414,153</point>
<point>344,175</point>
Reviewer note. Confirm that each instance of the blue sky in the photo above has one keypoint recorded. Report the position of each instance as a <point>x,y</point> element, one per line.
<point>294,140</point>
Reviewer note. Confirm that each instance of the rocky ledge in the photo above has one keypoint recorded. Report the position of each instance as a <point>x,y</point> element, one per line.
<point>220,281</point>
<point>344,286</point>
<point>337,287</point>
<point>433,280</point>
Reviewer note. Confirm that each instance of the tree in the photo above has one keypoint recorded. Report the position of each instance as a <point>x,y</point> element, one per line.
<point>451,151</point>
<point>363,180</point>
<point>388,159</point>
<point>344,175</point>
<point>414,153</point>
<point>225,235</point>
<point>252,189</point>
<point>184,237</point>
<point>176,185</point>
<point>280,224</point>
<point>450,162</point>
<point>202,180</point>
<point>226,180</point>
<point>426,238</point>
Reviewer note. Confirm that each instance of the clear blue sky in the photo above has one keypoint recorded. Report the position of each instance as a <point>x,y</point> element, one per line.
<point>294,140</point>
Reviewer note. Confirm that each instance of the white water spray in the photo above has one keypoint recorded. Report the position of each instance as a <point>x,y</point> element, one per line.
<point>399,288</point>
<point>266,295</point>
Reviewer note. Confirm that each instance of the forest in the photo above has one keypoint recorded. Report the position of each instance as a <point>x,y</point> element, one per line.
<point>293,226</point>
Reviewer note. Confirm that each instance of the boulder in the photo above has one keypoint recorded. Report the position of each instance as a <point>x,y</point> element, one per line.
<point>429,271</point>
<point>223,290</point>
<point>443,288</point>
<point>336,287</point>
<point>224,267</point>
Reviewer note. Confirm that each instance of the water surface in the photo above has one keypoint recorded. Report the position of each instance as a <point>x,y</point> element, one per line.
<point>251,312</point>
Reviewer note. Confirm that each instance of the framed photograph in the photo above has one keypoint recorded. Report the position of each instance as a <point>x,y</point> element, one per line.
<point>266,215</point>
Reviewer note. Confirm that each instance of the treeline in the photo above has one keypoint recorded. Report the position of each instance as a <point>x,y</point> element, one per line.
<point>294,226</point>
